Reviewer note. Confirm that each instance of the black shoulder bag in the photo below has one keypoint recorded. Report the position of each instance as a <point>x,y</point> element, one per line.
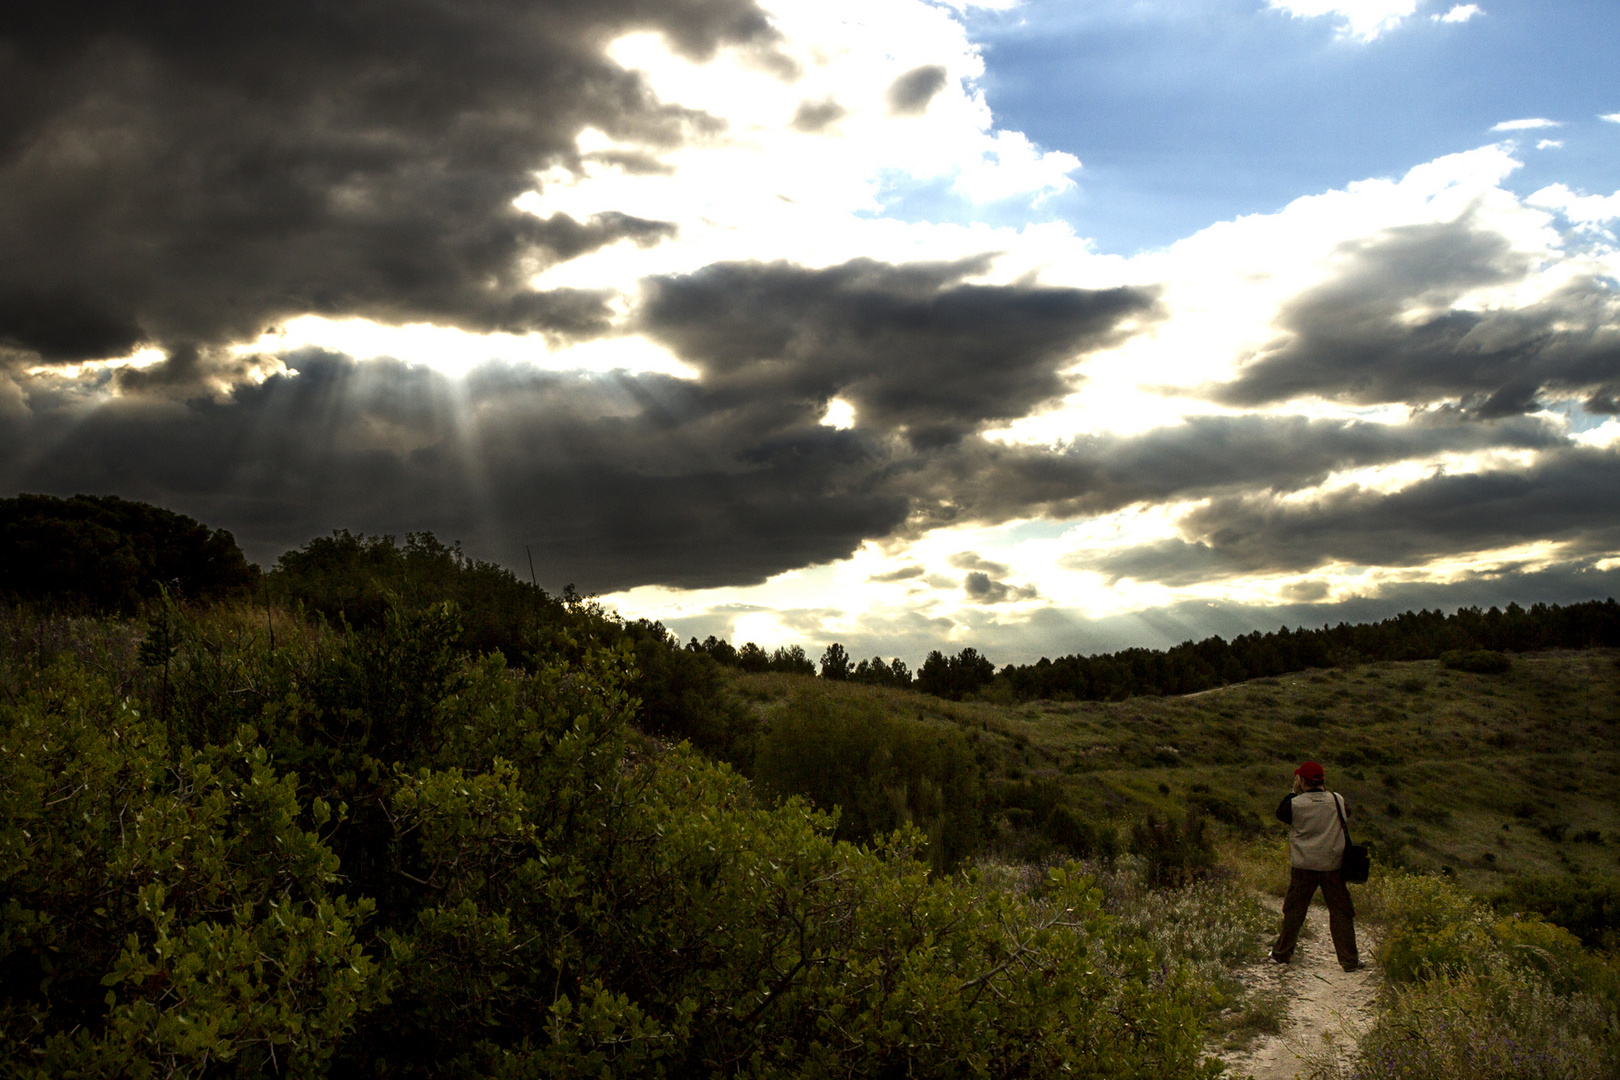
<point>1356,861</point>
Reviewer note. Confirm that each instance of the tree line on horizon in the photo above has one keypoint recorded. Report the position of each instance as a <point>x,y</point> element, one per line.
<point>107,554</point>
<point>1191,666</point>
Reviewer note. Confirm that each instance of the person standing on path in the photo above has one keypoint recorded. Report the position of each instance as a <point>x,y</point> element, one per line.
<point>1316,840</point>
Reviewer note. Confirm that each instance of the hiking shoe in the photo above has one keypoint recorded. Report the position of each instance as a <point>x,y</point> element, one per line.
<point>1275,959</point>
<point>1357,966</point>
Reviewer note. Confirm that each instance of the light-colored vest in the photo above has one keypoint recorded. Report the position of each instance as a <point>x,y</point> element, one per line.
<point>1316,841</point>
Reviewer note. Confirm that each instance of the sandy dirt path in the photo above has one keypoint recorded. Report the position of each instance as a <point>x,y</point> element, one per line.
<point>1328,1007</point>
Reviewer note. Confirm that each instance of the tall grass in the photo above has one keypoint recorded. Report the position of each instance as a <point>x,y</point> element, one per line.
<point>1203,932</point>
<point>1476,996</point>
<point>1214,924</point>
<point>1501,1025</point>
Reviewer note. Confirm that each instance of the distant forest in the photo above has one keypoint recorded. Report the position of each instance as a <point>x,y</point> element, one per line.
<point>106,554</point>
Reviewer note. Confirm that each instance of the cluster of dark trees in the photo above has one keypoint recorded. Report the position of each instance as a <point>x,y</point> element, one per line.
<point>1412,635</point>
<point>102,553</point>
<point>944,676</point>
<point>1193,666</point>
<point>790,659</point>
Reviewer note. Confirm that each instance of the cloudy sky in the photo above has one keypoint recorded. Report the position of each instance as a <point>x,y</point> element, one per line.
<point>1043,327</point>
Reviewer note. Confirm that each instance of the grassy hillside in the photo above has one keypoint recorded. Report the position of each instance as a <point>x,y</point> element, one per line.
<point>1484,776</point>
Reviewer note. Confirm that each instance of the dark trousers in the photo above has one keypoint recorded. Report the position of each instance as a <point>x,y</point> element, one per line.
<point>1341,914</point>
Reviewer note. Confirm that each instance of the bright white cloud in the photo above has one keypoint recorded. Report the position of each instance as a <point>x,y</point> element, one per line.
<point>1613,118</point>
<point>456,351</point>
<point>1530,123</point>
<point>1606,436</point>
<point>1550,144</point>
<point>770,186</point>
<point>1584,210</point>
<point>1459,14</point>
<point>1363,19</point>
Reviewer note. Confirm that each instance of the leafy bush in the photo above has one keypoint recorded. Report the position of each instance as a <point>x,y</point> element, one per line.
<point>1080,837</point>
<point>878,771</point>
<point>1225,810</point>
<point>417,863</point>
<point>1174,854</point>
<point>358,580</point>
<point>1478,661</point>
<point>1477,995</point>
<point>1587,907</point>
<point>165,906</point>
<point>1484,1026</point>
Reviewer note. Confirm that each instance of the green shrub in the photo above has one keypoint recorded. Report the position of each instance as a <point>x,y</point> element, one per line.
<point>526,887</point>
<point>1078,836</point>
<point>165,908</point>
<point>1174,854</point>
<point>1587,907</point>
<point>1490,1026</point>
<point>1478,661</point>
<point>880,772</point>
<point>1473,994</point>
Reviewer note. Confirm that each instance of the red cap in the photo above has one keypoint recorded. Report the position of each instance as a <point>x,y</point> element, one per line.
<point>1309,771</point>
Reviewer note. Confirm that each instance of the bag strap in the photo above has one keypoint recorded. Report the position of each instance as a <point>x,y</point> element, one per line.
<point>1339,806</point>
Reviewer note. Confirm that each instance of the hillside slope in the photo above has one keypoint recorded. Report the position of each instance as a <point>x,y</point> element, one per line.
<point>1480,775</point>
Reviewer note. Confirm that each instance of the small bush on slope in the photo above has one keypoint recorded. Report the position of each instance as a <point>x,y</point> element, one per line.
<point>881,772</point>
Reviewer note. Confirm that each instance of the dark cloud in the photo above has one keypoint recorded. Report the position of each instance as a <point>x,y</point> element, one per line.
<point>65,323</point>
<point>1203,456</point>
<point>813,117</point>
<point>1383,330</point>
<point>188,174</point>
<point>187,371</point>
<point>905,573</point>
<point>981,588</point>
<point>913,349</point>
<point>1566,497</point>
<point>910,94</point>
<point>971,560</point>
<point>614,480</point>
<point>621,480</point>
<point>729,477</point>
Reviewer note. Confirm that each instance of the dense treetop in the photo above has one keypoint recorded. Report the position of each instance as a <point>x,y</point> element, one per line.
<point>104,553</point>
